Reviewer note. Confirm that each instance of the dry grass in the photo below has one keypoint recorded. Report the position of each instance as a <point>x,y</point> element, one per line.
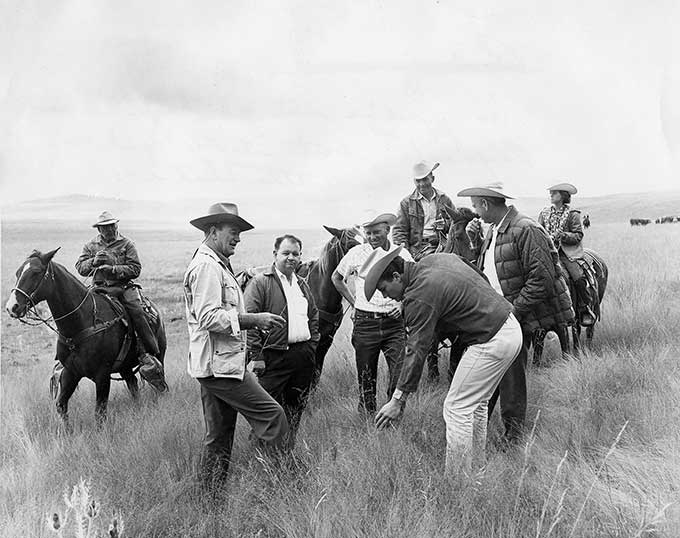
<point>602,460</point>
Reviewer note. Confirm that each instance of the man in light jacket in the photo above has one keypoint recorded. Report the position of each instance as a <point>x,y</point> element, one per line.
<point>216,319</point>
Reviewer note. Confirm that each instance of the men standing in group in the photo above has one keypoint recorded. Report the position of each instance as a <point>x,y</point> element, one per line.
<point>521,264</point>
<point>378,323</point>
<point>444,294</point>
<point>422,223</point>
<point>216,318</point>
<point>113,263</point>
<point>283,358</point>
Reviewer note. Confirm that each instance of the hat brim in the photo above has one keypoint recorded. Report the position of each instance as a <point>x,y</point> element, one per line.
<point>436,165</point>
<point>484,191</point>
<point>203,223</point>
<point>105,223</point>
<point>386,218</point>
<point>376,270</point>
<point>567,187</point>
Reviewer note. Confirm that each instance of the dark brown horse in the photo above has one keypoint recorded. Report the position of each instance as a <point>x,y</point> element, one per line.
<point>94,336</point>
<point>317,274</point>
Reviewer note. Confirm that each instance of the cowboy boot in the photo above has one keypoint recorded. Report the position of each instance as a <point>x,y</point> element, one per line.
<point>588,317</point>
<point>152,371</point>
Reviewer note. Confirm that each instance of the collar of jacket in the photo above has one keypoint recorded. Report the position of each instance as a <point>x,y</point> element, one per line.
<point>408,274</point>
<point>207,251</point>
<point>271,271</point>
<point>512,213</point>
<point>415,194</point>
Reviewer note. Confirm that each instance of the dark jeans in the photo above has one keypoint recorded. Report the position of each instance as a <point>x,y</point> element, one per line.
<point>288,377</point>
<point>222,400</point>
<point>129,297</point>
<point>370,336</point>
<point>513,394</point>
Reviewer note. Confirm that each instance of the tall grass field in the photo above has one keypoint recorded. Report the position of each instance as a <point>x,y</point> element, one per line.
<point>601,455</point>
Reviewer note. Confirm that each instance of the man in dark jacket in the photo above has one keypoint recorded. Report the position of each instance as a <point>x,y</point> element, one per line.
<point>521,263</point>
<point>283,359</point>
<point>112,262</point>
<point>422,223</point>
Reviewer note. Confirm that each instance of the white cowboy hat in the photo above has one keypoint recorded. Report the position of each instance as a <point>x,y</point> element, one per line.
<point>373,268</point>
<point>492,190</point>
<point>567,187</point>
<point>423,169</point>
<point>387,218</point>
<point>104,219</point>
<point>219,213</point>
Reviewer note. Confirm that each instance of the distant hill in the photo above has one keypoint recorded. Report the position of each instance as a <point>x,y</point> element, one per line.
<point>84,208</point>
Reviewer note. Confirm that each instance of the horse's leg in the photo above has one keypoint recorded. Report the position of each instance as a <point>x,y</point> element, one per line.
<point>538,341</point>
<point>563,335</point>
<point>590,331</point>
<point>576,335</point>
<point>103,386</point>
<point>455,354</point>
<point>327,331</point>
<point>67,386</point>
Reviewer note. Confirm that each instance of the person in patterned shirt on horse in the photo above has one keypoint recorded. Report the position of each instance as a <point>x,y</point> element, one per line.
<point>563,223</point>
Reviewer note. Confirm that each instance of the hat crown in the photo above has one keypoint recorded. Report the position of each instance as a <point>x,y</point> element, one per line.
<point>105,218</point>
<point>423,168</point>
<point>220,208</point>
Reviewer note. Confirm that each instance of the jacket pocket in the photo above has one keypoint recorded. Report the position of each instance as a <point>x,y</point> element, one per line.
<point>228,357</point>
<point>230,295</point>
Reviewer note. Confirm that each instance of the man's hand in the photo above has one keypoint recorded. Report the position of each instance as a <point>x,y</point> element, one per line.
<point>258,367</point>
<point>102,258</point>
<point>439,225</point>
<point>392,410</point>
<point>266,321</point>
<point>395,312</point>
<point>473,228</point>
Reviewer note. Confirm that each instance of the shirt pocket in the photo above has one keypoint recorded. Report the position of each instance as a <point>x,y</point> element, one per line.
<point>230,295</point>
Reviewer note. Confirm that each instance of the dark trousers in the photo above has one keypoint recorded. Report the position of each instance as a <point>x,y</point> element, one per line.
<point>222,400</point>
<point>133,304</point>
<point>370,336</point>
<point>288,378</point>
<point>583,297</point>
<point>513,393</point>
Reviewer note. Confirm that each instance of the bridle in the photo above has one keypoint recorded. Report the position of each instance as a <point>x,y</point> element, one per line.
<point>31,311</point>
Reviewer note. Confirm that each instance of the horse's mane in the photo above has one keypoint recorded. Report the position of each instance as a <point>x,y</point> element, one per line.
<point>330,251</point>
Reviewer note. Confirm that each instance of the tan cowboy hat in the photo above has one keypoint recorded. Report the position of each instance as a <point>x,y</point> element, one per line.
<point>492,190</point>
<point>373,268</point>
<point>387,218</point>
<point>567,187</point>
<point>104,219</point>
<point>219,213</point>
<point>423,169</point>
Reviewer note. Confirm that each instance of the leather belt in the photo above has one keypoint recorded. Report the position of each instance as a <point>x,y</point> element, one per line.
<point>372,315</point>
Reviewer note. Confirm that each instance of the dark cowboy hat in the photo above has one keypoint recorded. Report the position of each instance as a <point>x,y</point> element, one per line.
<point>567,187</point>
<point>492,190</point>
<point>104,219</point>
<point>374,266</point>
<point>221,212</point>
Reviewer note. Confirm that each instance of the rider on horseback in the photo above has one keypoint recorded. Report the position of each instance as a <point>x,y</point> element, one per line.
<point>564,226</point>
<point>113,263</point>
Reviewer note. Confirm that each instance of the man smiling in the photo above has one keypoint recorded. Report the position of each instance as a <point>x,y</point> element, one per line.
<point>378,324</point>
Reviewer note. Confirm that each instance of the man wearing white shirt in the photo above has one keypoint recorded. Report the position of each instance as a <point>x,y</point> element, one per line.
<point>378,323</point>
<point>283,358</point>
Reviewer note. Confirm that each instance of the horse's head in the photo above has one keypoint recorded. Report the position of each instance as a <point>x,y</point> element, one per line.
<point>29,289</point>
<point>347,237</point>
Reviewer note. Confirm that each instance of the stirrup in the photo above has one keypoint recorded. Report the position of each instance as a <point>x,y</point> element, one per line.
<point>152,372</point>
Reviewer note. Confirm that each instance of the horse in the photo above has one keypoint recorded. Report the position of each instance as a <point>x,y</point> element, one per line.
<point>317,273</point>
<point>599,274</point>
<point>94,334</point>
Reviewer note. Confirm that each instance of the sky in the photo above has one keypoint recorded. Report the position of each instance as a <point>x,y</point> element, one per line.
<point>321,108</point>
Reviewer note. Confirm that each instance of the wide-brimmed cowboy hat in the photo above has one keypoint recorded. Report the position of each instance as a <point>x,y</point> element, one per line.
<point>492,190</point>
<point>219,213</point>
<point>567,187</point>
<point>423,169</point>
<point>387,218</point>
<point>374,266</point>
<point>104,219</point>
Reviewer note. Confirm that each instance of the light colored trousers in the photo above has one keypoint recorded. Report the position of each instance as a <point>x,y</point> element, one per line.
<point>465,409</point>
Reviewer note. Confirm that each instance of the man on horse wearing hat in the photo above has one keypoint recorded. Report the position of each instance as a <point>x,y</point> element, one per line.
<point>563,223</point>
<point>112,261</point>
<point>216,319</point>
<point>422,224</point>
<point>378,323</point>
